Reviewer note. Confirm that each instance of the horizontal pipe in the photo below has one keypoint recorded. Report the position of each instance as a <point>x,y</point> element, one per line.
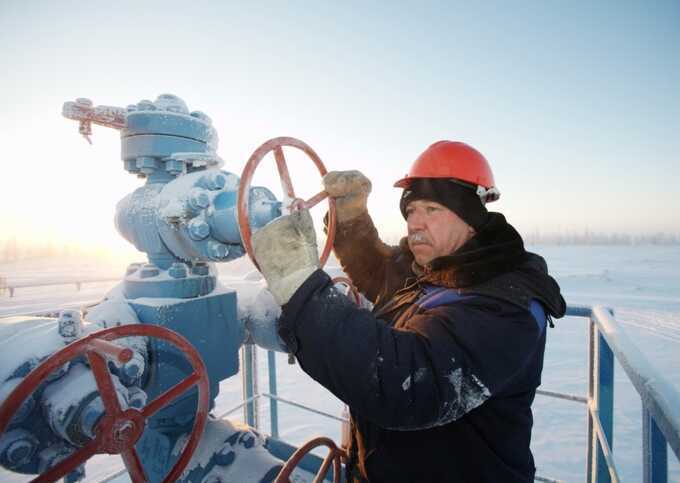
<point>546,479</point>
<point>239,406</point>
<point>60,282</point>
<point>561,395</point>
<point>578,311</point>
<point>302,406</point>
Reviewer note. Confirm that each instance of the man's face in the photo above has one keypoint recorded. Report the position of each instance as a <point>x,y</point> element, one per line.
<point>434,230</point>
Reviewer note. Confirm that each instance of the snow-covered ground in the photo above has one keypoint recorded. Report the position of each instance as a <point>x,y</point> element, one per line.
<point>641,284</point>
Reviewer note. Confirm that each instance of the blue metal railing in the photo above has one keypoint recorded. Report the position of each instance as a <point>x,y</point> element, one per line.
<point>607,342</point>
<point>660,401</point>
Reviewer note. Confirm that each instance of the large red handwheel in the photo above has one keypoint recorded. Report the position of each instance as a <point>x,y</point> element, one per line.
<point>296,203</point>
<point>118,430</point>
<point>335,455</point>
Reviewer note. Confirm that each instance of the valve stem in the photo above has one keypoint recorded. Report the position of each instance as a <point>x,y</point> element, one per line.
<point>85,129</point>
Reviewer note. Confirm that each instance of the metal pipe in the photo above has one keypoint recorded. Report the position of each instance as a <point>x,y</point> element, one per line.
<point>654,453</point>
<point>249,385</point>
<point>604,403</point>
<point>302,406</point>
<point>273,403</point>
<point>591,390</point>
<point>612,475</point>
<point>561,395</point>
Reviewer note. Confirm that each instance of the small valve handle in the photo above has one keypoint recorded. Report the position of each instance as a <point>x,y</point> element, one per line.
<point>83,111</point>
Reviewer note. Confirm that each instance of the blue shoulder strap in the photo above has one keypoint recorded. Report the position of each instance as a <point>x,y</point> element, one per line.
<point>438,296</point>
<point>537,310</point>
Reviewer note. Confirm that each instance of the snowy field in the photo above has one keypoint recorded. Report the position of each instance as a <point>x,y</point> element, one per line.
<point>640,283</point>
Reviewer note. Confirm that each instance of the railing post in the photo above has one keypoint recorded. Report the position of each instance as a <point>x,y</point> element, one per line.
<point>604,402</point>
<point>592,438</point>
<point>654,452</point>
<point>249,367</point>
<point>273,403</point>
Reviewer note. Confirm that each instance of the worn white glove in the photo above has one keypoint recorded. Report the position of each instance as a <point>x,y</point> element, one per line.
<point>285,250</point>
<point>350,189</point>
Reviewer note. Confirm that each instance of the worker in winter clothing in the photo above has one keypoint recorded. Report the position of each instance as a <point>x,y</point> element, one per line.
<point>441,374</point>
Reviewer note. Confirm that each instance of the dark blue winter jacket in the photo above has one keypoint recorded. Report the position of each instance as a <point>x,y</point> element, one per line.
<point>441,375</point>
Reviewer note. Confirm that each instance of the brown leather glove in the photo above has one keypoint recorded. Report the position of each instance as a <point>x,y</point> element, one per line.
<point>350,190</point>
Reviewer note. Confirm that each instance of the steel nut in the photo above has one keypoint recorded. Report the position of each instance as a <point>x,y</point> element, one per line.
<point>200,268</point>
<point>199,229</point>
<point>199,199</point>
<point>149,270</point>
<point>178,270</point>
<point>70,324</point>
<point>217,250</point>
<point>214,180</point>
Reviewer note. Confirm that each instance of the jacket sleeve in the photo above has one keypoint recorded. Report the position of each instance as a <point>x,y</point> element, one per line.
<point>377,269</point>
<point>445,363</point>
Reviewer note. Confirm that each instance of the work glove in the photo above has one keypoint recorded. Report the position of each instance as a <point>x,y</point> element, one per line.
<point>350,190</point>
<point>285,250</point>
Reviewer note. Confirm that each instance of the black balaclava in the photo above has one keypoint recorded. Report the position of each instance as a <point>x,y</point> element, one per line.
<point>460,198</point>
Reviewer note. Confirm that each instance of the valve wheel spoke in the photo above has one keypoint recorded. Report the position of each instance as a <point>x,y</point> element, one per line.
<point>286,183</point>
<point>168,396</point>
<point>316,199</point>
<point>276,145</point>
<point>133,465</point>
<point>102,378</point>
<point>68,464</point>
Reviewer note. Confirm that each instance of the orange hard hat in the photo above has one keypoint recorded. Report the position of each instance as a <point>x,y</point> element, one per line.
<point>457,161</point>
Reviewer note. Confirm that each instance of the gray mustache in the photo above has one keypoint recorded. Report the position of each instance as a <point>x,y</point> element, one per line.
<point>417,238</point>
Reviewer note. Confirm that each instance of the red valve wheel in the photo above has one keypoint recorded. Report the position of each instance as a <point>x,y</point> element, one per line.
<point>118,430</point>
<point>350,288</point>
<point>276,145</point>
<point>335,456</point>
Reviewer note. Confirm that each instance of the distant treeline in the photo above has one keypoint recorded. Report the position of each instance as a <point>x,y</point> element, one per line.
<point>592,238</point>
<point>12,249</point>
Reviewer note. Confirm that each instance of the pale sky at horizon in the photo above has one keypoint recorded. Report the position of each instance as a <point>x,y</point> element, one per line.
<point>575,104</point>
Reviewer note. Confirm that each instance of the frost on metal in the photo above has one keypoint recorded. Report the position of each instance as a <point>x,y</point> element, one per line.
<point>229,451</point>
<point>258,311</point>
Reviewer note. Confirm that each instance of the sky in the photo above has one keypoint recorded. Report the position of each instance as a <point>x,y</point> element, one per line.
<point>576,105</point>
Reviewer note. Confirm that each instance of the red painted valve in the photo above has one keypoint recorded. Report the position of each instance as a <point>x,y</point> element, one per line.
<point>335,456</point>
<point>276,145</point>
<point>119,429</point>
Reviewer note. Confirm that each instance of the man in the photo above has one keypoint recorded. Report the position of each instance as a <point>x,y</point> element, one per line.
<point>441,375</point>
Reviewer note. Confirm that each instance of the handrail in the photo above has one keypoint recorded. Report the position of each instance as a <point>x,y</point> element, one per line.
<point>302,406</point>
<point>11,288</point>
<point>561,395</point>
<point>659,396</point>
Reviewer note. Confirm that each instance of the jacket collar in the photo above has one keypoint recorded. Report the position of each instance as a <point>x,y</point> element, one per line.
<point>496,248</point>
